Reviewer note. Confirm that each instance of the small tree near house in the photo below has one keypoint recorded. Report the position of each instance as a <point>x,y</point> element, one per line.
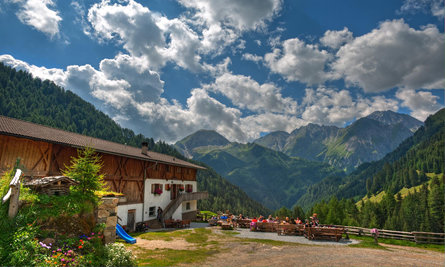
<point>85,169</point>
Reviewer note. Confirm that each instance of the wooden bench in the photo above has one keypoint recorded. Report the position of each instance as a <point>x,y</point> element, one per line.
<point>266,227</point>
<point>185,223</point>
<point>290,229</point>
<point>245,223</point>
<point>227,226</point>
<point>324,233</point>
<point>170,223</point>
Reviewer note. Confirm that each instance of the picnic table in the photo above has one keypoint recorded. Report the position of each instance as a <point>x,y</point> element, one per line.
<point>324,233</point>
<point>244,223</point>
<point>266,227</point>
<point>170,223</point>
<point>227,226</point>
<point>290,229</point>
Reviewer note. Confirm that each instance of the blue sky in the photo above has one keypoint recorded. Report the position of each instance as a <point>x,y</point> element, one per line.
<point>243,68</point>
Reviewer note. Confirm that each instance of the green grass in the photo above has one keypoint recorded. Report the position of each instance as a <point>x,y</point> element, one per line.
<point>170,257</point>
<point>405,243</point>
<point>230,233</point>
<point>162,235</point>
<point>199,236</point>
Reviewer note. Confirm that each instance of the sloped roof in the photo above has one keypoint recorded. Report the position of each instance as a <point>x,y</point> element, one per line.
<point>50,180</point>
<point>19,128</point>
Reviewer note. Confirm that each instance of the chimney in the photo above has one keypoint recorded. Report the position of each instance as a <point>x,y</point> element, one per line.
<point>144,148</point>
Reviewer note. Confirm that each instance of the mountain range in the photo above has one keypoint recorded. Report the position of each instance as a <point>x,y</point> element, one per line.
<point>367,139</point>
<point>279,168</point>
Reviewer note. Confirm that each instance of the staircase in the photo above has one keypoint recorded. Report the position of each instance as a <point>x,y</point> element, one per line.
<point>174,204</point>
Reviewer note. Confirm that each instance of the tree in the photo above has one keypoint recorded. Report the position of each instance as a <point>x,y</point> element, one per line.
<point>85,169</point>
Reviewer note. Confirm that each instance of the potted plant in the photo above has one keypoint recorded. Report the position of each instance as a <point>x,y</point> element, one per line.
<point>181,188</point>
<point>167,187</point>
<point>158,191</point>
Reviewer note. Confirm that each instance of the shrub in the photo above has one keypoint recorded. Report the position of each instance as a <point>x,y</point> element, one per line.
<point>117,255</point>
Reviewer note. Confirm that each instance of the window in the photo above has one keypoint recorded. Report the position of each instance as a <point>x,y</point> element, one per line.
<point>167,168</point>
<point>178,169</point>
<point>151,211</point>
<point>187,206</point>
<point>156,189</point>
<point>188,188</point>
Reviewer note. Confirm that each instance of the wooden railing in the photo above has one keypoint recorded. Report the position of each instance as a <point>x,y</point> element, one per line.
<point>418,237</point>
<point>174,204</point>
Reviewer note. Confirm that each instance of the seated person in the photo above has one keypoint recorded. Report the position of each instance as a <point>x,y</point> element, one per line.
<point>254,220</point>
<point>298,221</point>
<point>270,219</point>
<point>292,221</point>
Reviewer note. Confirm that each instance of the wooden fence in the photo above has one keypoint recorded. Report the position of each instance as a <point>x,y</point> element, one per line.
<point>418,237</point>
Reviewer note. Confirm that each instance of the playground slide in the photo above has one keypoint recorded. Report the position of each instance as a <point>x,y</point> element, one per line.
<point>122,234</point>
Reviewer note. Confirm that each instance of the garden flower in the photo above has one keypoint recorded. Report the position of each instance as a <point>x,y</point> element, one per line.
<point>80,247</point>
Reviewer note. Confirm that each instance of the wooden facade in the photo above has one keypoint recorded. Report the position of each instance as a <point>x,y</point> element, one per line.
<point>123,174</point>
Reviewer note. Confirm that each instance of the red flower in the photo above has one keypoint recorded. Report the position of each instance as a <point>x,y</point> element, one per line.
<point>80,247</point>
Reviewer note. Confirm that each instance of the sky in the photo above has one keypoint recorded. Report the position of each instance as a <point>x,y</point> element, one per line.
<point>244,68</point>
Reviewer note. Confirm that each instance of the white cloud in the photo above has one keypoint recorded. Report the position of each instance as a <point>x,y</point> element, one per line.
<point>269,122</point>
<point>335,39</point>
<point>327,106</point>
<point>240,15</point>
<point>421,103</point>
<point>393,55</point>
<point>80,19</point>
<point>299,62</point>
<point>133,25</point>
<point>435,7</point>
<point>244,92</point>
<point>37,14</point>
<point>252,57</point>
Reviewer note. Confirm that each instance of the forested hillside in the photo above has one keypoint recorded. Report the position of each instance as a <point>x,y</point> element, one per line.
<point>268,176</point>
<point>404,167</point>
<point>418,163</point>
<point>31,99</point>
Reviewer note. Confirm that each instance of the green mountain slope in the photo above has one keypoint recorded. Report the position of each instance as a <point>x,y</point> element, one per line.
<point>367,139</point>
<point>270,177</point>
<point>404,167</point>
<point>199,139</point>
<point>31,99</point>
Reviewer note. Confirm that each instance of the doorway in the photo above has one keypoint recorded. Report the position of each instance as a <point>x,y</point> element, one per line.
<point>174,191</point>
<point>131,219</point>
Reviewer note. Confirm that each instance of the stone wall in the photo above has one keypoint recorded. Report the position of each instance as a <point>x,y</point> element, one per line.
<point>191,215</point>
<point>107,213</point>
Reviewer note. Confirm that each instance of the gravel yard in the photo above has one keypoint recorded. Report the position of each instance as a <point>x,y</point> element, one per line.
<point>246,233</point>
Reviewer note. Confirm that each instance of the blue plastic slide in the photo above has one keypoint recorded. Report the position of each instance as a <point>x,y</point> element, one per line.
<point>122,234</point>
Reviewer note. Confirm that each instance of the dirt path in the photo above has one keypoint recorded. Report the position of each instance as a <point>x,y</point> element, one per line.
<point>257,254</point>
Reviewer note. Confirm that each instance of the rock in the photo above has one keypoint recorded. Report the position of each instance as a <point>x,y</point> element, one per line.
<point>102,213</point>
<point>111,221</point>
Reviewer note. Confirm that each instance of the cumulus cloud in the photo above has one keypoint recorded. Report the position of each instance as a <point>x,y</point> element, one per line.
<point>240,15</point>
<point>298,61</point>
<point>393,55</point>
<point>251,57</point>
<point>421,103</point>
<point>335,39</point>
<point>253,125</point>
<point>133,25</point>
<point>246,93</point>
<point>435,7</point>
<point>39,15</point>
<point>328,106</point>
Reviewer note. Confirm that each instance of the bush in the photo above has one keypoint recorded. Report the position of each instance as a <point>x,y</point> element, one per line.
<point>117,255</point>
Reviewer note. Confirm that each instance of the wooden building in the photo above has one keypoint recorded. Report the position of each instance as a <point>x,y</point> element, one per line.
<point>52,185</point>
<point>147,179</point>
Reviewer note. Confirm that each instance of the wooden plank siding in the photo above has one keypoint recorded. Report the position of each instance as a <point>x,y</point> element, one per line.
<point>122,174</point>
